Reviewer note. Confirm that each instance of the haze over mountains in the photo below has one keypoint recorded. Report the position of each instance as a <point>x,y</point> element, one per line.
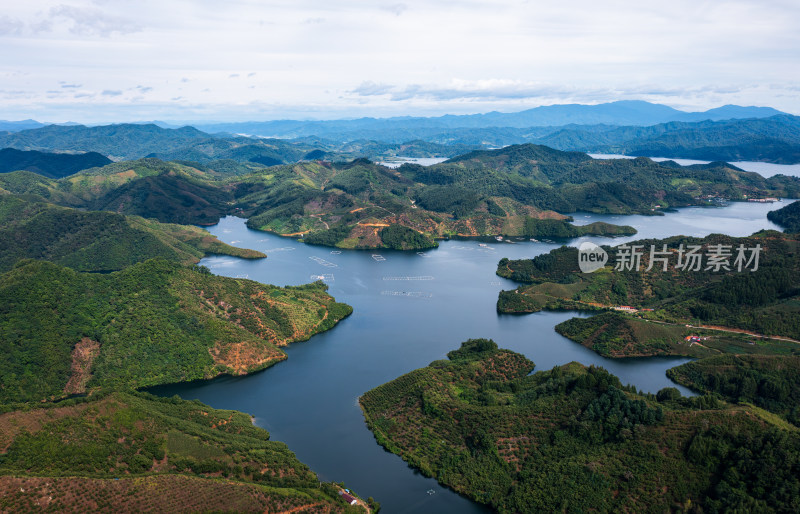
<point>729,133</point>
<point>627,112</point>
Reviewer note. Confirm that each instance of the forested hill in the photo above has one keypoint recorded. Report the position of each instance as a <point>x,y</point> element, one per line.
<point>133,452</point>
<point>53,165</point>
<point>575,439</point>
<point>521,190</point>
<point>156,322</point>
<point>765,301</point>
<point>771,382</point>
<point>169,192</point>
<point>98,241</point>
<point>570,181</point>
<point>788,217</point>
<point>122,141</point>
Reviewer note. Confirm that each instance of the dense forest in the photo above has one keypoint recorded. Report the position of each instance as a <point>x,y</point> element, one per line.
<point>770,382</point>
<point>723,290</point>
<point>95,305</point>
<point>575,439</point>
<point>788,217</point>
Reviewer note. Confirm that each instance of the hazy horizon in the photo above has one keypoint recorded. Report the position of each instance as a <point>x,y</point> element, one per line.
<point>205,121</point>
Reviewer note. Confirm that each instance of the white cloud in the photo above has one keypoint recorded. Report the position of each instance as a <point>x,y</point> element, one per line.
<point>10,26</point>
<point>93,21</point>
<point>393,58</point>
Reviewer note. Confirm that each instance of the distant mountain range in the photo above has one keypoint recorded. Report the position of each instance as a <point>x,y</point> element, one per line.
<point>761,136</point>
<point>774,139</point>
<point>628,112</point>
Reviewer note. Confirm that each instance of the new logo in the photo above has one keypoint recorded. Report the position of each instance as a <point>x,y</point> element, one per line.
<point>591,257</point>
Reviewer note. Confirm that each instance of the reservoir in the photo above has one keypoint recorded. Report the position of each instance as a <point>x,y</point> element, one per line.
<point>410,309</point>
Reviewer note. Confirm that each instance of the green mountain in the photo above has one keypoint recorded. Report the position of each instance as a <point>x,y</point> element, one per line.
<point>156,322</point>
<point>765,301</point>
<point>53,165</point>
<point>787,217</point>
<point>131,452</point>
<point>574,439</point>
<point>520,191</point>
<point>571,181</point>
<point>98,241</point>
<point>169,192</point>
<point>360,205</point>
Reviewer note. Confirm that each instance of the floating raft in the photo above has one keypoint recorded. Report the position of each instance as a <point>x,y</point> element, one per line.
<point>327,277</point>
<point>327,264</point>
<point>410,294</point>
<point>424,277</point>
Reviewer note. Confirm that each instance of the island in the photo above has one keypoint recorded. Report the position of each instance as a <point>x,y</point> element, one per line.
<point>717,304</point>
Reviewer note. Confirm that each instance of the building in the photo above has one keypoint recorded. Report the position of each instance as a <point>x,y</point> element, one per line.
<point>348,498</point>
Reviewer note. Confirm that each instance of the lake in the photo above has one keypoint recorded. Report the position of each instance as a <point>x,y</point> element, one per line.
<point>409,309</point>
<point>765,169</point>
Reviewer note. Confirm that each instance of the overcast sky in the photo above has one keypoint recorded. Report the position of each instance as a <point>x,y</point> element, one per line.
<point>108,60</point>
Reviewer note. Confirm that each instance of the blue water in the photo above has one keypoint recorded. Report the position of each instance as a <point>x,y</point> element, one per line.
<point>309,401</point>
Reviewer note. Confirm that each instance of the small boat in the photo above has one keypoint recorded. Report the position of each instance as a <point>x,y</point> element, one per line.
<point>499,238</point>
<point>534,240</point>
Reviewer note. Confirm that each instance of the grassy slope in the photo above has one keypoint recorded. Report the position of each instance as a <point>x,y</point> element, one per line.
<point>765,301</point>
<point>133,451</point>
<point>98,241</point>
<point>572,439</point>
<point>153,323</point>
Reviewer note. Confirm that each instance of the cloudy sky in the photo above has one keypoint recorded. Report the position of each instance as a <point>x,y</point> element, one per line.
<point>108,60</point>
